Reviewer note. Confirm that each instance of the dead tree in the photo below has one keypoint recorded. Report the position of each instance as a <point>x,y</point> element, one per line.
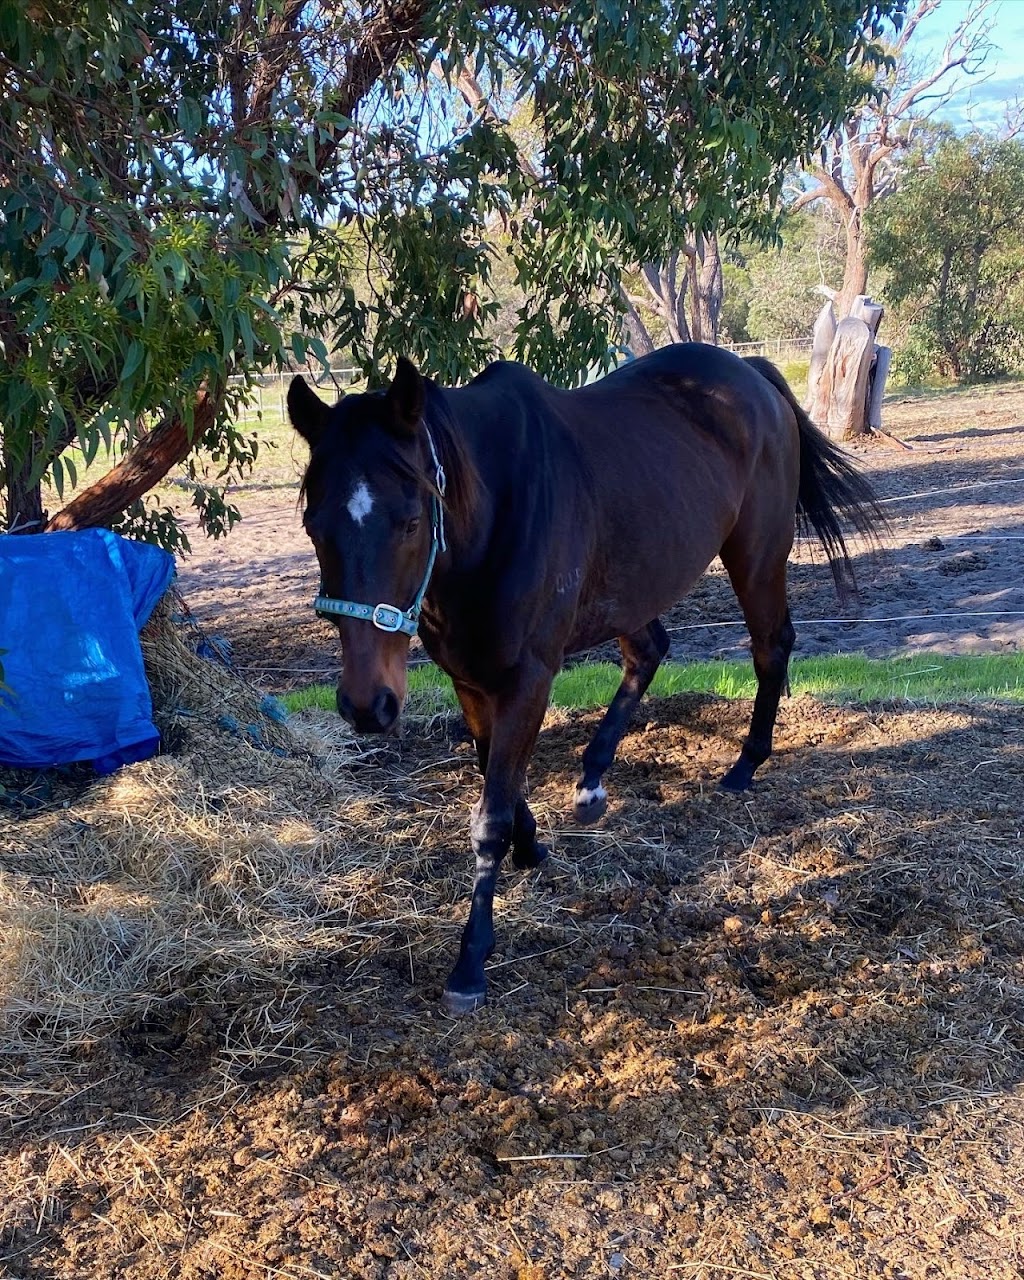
<point>856,164</point>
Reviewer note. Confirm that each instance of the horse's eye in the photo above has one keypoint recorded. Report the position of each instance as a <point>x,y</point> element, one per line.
<point>412,526</point>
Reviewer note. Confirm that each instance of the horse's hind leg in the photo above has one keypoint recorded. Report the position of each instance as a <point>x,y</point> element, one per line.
<point>761,592</point>
<point>642,652</point>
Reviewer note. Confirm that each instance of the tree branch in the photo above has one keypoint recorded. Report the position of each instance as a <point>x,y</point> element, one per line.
<point>911,22</point>
<point>168,444</point>
<point>969,38</point>
<point>387,37</point>
<point>274,60</point>
<point>833,190</point>
<point>808,197</point>
<point>474,98</point>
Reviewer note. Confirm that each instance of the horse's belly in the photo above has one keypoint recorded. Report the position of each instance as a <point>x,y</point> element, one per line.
<point>635,590</point>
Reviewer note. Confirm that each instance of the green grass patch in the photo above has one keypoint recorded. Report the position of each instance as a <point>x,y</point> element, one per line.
<point>847,679</point>
<point>795,372</point>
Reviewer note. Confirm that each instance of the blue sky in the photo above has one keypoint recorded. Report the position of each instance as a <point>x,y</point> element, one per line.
<point>981,99</point>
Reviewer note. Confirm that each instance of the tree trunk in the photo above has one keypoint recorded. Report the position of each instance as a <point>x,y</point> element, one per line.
<point>855,271</point>
<point>710,287</point>
<point>25,512</point>
<point>635,331</point>
<point>168,444</point>
<point>693,284</point>
<point>668,298</point>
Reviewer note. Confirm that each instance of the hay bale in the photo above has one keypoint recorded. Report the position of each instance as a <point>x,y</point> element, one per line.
<point>191,693</point>
<point>217,871</point>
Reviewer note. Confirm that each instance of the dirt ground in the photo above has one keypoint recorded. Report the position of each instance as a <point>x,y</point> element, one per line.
<point>777,1036</point>
<point>941,565</point>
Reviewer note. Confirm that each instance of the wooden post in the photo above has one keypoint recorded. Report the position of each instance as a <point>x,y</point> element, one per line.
<point>879,373</point>
<point>846,380</point>
<point>868,311</point>
<point>843,388</point>
<point>824,333</point>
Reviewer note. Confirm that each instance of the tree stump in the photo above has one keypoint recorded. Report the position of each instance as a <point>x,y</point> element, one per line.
<point>842,398</point>
<point>824,335</point>
<point>846,379</point>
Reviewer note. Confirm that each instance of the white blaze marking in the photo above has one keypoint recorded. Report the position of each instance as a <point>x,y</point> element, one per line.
<point>361,503</point>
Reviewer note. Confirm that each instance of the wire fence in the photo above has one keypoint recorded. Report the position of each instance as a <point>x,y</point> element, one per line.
<point>269,390</point>
<point>774,348</point>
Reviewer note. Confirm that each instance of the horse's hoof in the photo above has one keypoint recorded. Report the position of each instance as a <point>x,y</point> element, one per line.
<point>527,859</point>
<point>589,805</point>
<point>456,1004</point>
<point>736,781</point>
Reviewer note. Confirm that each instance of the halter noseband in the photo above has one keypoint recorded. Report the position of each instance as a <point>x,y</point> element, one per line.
<point>388,617</point>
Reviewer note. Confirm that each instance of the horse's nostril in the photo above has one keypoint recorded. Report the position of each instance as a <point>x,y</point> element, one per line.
<point>386,708</point>
<point>379,717</point>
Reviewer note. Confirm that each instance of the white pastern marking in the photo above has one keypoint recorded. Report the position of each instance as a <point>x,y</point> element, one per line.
<point>585,796</point>
<point>361,503</point>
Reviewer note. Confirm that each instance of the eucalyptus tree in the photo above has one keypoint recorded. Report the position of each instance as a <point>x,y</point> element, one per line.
<point>949,240</point>
<point>189,188</point>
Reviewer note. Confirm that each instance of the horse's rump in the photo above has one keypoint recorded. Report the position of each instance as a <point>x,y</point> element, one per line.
<point>831,488</point>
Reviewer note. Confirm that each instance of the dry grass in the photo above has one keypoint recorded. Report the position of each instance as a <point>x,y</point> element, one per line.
<point>775,1035</point>
<point>196,897</point>
<point>217,873</point>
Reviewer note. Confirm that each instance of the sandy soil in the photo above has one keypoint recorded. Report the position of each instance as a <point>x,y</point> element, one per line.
<point>942,562</point>
<point>774,1037</point>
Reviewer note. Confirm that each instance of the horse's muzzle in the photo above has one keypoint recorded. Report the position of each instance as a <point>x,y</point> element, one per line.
<point>380,717</point>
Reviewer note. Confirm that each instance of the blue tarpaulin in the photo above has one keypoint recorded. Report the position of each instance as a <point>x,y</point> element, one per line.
<point>71,608</point>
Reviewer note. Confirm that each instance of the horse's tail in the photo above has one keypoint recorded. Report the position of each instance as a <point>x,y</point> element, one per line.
<point>831,488</point>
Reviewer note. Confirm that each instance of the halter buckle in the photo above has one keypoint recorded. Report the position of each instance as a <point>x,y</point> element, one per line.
<point>386,617</point>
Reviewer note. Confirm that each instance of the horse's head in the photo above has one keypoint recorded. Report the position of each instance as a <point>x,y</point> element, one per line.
<point>372,513</point>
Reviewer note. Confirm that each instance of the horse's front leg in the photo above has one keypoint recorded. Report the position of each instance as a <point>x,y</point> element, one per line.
<point>518,712</point>
<point>478,710</point>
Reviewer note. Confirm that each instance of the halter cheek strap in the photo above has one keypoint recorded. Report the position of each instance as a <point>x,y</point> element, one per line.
<point>388,617</point>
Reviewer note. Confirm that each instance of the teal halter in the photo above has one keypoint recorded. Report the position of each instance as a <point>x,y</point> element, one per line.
<point>388,617</point>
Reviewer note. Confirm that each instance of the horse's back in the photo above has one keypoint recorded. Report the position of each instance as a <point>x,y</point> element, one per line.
<point>692,378</point>
<point>689,373</point>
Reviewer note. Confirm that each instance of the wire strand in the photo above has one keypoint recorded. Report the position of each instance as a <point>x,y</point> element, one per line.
<point>852,622</point>
<point>956,488</point>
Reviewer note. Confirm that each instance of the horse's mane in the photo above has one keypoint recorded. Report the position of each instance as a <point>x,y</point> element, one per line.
<point>461,474</point>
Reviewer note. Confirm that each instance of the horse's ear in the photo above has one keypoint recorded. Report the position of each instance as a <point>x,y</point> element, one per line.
<point>307,411</point>
<point>405,397</point>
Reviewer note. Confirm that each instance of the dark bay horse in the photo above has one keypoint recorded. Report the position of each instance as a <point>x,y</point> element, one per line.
<point>513,523</point>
